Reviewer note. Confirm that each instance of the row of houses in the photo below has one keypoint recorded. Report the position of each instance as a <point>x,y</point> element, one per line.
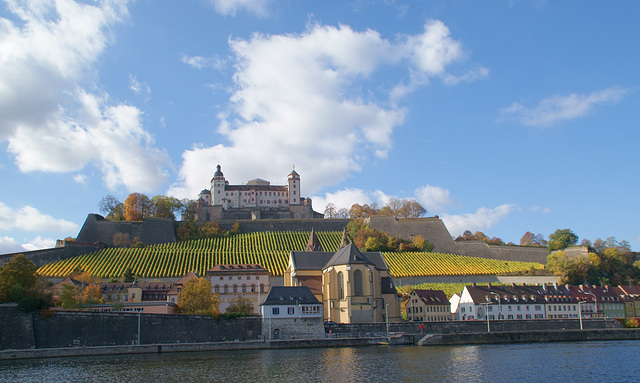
<point>545,302</point>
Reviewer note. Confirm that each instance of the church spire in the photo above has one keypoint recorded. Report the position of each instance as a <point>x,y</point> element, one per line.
<point>345,241</point>
<point>314,243</point>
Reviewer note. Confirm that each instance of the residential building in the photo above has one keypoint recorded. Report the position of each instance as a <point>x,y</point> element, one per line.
<point>291,312</point>
<point>428,306</point>
<point>250,281</point>
<point>499,302</point>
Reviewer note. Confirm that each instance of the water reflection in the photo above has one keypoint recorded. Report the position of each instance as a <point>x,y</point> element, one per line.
<point>534,362</point>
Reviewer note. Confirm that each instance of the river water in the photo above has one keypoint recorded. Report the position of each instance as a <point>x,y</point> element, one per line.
<point>532,362</point>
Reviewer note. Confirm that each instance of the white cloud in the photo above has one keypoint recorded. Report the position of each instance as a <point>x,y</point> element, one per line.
<point>343,199</point>
<point>39,243</point>
<point>80,178</point>
<point>51,122</point>
<point>299,100</point>
<point>482,220</point>
<point>137,86</point>
<point>200,62</point>
<point>30,219</point>
<point>553,110</point>
<point>434,198</point>
<point>9,245</point>
<point>230,7</point>
<point>540,209</point>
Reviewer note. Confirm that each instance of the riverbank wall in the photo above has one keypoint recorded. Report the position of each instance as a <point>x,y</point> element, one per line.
<point>529,337</point>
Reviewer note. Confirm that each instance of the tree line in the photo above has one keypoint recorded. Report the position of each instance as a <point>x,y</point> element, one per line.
<point>395,207</point>
<point>138,207</point>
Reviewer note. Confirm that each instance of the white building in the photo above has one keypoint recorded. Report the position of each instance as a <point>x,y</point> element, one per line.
<point>291,312</point>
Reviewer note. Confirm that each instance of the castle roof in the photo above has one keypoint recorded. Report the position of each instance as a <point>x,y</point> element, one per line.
<point>288,295</point>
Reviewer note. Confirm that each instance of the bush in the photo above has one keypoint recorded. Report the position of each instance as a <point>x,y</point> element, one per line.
<point>30,304</point>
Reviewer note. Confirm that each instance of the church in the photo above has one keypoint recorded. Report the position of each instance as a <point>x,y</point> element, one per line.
<point>354,287</point>
<point>257,199</point>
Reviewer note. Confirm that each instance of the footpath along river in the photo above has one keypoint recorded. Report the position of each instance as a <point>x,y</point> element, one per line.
<point>603,361</point>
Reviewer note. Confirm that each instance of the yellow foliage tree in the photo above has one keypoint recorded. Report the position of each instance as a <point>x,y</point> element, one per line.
<point>197,297</point>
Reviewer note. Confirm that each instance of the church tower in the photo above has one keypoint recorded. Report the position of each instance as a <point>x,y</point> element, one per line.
<point>217,187</point>
<point>294,188</point>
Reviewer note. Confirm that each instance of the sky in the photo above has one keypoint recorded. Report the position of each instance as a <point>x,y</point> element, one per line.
<point>498,116</point>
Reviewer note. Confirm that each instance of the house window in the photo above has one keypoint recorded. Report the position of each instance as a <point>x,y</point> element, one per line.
<point>244,288</point>
<point>290,310</point>
<point>216,289</point>
<point>340,285</point>
<point>226,289</point>
<point>261,288</point>
<point>357,282</point>
<point>275,311</point>
<point>235,288</point>
<point>253,288</point>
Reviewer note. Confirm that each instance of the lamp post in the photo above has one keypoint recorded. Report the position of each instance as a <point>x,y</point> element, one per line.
<point>595,302</point>
<point>486,313</point>
<point>580,312</point>
<point>386,316</point>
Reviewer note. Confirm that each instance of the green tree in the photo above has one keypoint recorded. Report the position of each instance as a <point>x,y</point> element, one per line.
<point>166,207</point>
<point>128,276</point>
<point>240,307</point>
<point>197,298</point>
<point>18,278</point>
<point>561,239</point>
<point>69,297</point>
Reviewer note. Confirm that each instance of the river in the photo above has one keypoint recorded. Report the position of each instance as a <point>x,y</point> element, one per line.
<point>610,361</point>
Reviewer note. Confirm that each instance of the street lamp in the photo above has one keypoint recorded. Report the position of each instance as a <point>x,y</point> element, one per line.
<point>595,302</point>
<point>486,313</point>
<point>386,316</point>
<point>580,312</point>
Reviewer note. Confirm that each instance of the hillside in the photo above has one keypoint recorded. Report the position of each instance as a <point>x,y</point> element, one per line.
<point>270,249</point>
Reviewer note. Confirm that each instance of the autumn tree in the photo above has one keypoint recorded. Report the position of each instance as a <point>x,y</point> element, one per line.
<point>18,278</point>
<point>561,239</point>
<point>197,298</point>
<point>138,207</point>
<point>530,239</point>
<point>92,295</point>
<point>188,209</point>
<point>69,297</point>
<point>240,307</point>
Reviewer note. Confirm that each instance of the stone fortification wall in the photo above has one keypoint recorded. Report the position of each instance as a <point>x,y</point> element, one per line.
<point>44,256</point>
<point>152,231</point>
<point>287,225</point>
<point>434,230</point>
<point>51,329</point>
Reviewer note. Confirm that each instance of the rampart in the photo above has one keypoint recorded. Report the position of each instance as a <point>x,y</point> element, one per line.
<point>434,230</point>
<point>152,231</point>
<point>44,256</point>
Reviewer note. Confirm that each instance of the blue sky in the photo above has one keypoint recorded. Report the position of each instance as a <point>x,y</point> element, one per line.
<point>498,116</point>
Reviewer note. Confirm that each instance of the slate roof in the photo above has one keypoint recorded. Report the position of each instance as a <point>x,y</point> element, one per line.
<point>237,269</point>
<point>432,297</point>
<point>287,295</point>
<point>318,260</point>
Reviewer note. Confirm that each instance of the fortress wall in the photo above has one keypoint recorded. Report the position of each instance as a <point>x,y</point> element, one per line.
<point>152,231</point>
<point>432,229</point>
<point>44,256</point>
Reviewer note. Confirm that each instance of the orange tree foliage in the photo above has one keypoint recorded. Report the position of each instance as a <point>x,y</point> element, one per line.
<point>197,297</point>
<point>137,207</point>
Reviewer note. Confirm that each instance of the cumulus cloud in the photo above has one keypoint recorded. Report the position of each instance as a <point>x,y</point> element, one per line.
<point>9,245</point>
<point>231,7</point>
<point>553,110</point>
<point>483,219</point>
<point>31,219</point>
<point>434,198</point>
<point>344,199</point>
<point>299,99</point>
<point>50,121</point>
<point>39,243</point>
<point>138,87</point>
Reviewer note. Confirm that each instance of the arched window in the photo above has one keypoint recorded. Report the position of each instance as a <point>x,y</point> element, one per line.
<point>235,288</point>
<point>216,289</point>
<point>357,282</point>
<point>226,288</point>
<point>340,285</point>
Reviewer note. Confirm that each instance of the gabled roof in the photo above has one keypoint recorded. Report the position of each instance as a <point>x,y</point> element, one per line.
<point>288,295</point>
<point>432,297</point>
<point>238,269</point>
<point>344,241</point>
<point>348,255</point>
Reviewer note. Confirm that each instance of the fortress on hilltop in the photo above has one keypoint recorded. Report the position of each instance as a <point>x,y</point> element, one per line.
<point>257,199</point>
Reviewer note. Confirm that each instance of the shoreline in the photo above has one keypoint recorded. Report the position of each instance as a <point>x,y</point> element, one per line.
<point>429,340</point>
